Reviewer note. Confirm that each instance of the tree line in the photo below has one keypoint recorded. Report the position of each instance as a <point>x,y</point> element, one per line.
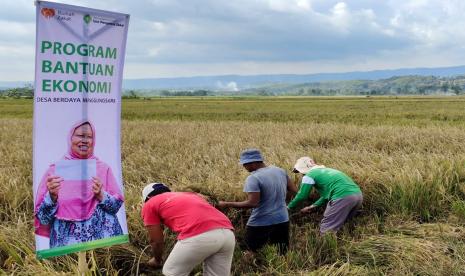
<point>406,85</point>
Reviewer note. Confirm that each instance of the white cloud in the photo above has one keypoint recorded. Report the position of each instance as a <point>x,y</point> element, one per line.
<point>154,51</point>
<point>186,38</point>
<point>340,9</point>
<point>293,6</point>
<point>304,4</point>
<point>432,24</point>
<point>17,51</point>
<point>159,27</point>
<point>16,30</point>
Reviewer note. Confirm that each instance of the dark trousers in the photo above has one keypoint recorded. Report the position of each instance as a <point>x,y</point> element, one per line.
<point>276,234</point>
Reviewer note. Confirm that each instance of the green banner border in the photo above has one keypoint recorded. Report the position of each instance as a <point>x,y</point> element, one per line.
<point>63,250</point>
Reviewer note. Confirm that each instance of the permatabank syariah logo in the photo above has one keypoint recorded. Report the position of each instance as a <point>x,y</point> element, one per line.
<point>47,12</point>
<point>87,18</point>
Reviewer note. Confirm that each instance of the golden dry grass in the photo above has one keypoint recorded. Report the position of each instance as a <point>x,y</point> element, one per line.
<point>413,179</point>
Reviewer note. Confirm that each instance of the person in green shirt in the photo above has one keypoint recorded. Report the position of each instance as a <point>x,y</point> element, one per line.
<point>342,195</point>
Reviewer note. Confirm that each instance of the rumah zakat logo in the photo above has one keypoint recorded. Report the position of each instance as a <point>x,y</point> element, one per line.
<point>47,12</point>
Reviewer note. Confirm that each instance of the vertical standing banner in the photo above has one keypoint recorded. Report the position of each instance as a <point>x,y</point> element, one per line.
<point>77,179</point>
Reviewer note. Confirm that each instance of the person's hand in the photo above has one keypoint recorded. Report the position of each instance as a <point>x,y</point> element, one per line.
<point>308,209</point>
<point>221,204</point>
<point>153,263</point>
<point>53,186</point>
<point>97,188</point>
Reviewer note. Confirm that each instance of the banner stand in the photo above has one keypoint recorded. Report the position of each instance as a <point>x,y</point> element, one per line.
<point>82,263</point>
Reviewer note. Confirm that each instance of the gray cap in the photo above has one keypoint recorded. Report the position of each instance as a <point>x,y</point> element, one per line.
<point>249,156</point>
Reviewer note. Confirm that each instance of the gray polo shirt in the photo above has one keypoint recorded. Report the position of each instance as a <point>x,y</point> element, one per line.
<point>271,182</point>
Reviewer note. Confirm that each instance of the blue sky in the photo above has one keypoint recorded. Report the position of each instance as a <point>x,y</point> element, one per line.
<point>172,38</point>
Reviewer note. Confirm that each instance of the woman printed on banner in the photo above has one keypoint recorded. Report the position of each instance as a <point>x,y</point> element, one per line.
<point>70,211</point>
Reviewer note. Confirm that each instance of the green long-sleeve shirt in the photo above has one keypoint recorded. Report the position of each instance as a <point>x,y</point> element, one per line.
<point>330,183</point>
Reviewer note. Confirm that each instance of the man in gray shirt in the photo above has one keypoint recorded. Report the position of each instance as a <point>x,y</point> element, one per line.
<point>266,187</point>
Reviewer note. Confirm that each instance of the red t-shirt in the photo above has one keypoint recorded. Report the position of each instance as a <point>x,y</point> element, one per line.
<point>187,214</point>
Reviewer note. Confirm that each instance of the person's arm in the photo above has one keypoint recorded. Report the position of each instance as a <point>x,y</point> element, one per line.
<point>315,205</point>
<point>253,198</point>
<point>53,186</point>
<point>319,202</point>
<point>97,188</point>
<point>291,187</point>
<point>109,200</point>
<point>110,204</point>
<point>304,191</point>
<point>47,210</point>
<point>157,243</point>
<point>252,188</point>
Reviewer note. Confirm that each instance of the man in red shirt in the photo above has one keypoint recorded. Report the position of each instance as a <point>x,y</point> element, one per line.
<point>204,233</point>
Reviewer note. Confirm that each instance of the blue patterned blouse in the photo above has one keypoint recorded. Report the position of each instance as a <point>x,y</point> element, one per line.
<point>102,224</point>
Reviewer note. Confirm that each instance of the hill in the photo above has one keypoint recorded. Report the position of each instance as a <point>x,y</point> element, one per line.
<point>238,82</point>
<point>419,81</point>
<point>404,85</point>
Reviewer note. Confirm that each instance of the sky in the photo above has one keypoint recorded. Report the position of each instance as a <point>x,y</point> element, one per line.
<point>174,38</point>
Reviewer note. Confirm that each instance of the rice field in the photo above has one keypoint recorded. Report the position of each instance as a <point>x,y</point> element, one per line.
<point>406,153</point>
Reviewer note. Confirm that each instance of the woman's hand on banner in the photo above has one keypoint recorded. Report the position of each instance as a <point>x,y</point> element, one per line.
<point>97,188</point>
<point>53,186</point>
